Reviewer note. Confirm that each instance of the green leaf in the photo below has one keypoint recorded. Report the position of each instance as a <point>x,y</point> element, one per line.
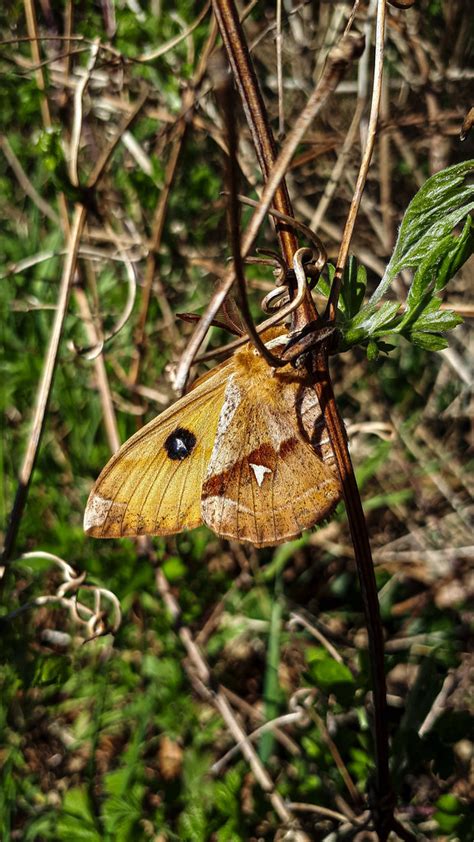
<point>353,287</point>
<point>323,286</point>
<point>77,819</point>
<point>448,803</point>
<point>436,320</point>
<point>372,351</point>
<point>429,341</point>
<point>381,319</point>
<point>329,672</point>
<point>50,669</point>
<point>447,822</point>
<point>440,205</point>
<point>370,320</point>
<point>174,568</point>
<point>463,247</point>
<point>441,262</point>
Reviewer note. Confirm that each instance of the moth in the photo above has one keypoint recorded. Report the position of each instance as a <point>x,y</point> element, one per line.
<point>245,452</point>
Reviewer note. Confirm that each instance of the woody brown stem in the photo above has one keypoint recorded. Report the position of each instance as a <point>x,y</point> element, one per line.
<point>244,74</point>
<point>246,80</point>
<point>383,815</point>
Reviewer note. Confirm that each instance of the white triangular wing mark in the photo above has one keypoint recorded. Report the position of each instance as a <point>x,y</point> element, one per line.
<point>260,471</point>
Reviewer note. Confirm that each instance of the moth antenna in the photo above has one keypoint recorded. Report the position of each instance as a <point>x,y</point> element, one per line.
<point>282,312</point>
<point>321,260</point>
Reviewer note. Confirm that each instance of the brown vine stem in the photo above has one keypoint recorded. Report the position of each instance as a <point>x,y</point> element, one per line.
<point>223,90</point>
<point>338,60</point>
<point>274,172</point>
<point>254,107</point>
<point>383,810</point>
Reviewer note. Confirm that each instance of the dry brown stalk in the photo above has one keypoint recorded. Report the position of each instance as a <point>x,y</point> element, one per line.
<point>365,163</point>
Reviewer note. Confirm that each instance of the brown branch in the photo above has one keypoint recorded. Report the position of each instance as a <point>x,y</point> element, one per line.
<point>336,64</point>
<point>383,815</point>
<point>338,60</point>
<point>254,107</point>
<point>223,89</point>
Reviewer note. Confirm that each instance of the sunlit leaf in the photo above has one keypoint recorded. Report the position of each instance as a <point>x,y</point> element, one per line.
<point>441,204</point>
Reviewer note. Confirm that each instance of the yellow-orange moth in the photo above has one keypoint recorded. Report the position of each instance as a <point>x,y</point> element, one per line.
<point>245,452</point>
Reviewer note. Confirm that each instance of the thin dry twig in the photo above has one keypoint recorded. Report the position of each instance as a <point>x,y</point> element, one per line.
<point>25,182</point>
<point>325,812</point>
<point>439,705</point>
<point>173,42</point>
<point>77,118</point>
<point>338,169</point>
<point>297,619</point>
<point>365,163</point>
<point>44,388</point>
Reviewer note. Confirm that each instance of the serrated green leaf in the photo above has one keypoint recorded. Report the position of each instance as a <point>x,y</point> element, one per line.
<point>428,341</point>
<point>441,262</point>
<point>462,249</point>
<point>361,319</point>
<point>382,318</point>
<point>436,320</point>
<point>440,205</point>
<point>371,319</point>
<point>425,275</point>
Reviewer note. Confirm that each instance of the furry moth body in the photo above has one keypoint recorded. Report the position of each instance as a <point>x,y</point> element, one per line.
<point>245,452</point>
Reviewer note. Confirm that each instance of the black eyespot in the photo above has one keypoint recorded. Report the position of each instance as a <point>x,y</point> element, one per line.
<point>180,443</point>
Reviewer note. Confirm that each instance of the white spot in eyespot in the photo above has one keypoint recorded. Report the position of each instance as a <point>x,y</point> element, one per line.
<point>260,471</point>
<point>96,511</point>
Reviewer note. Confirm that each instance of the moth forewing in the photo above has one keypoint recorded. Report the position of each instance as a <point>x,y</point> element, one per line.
<point>152,485</point>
